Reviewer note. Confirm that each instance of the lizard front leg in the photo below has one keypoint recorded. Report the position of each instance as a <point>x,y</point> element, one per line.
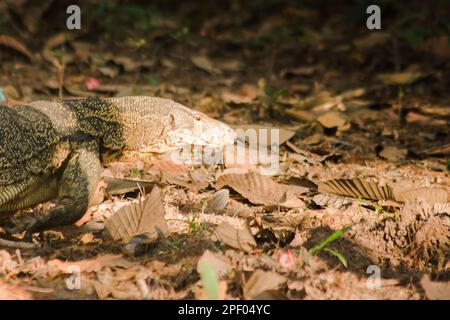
<point>76,188</point>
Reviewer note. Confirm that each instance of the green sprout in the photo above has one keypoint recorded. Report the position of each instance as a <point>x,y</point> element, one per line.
<point>323,246</point>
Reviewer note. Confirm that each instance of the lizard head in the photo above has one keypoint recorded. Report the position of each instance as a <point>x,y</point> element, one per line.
<point>195,128</point>
<point>157,125</point>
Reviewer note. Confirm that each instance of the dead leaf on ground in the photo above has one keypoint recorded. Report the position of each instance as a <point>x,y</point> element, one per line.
<point>264,136</point>
<point>310,157</point>
<point>205,64</point>
<point>368,41</point>
<point>128,64</point>
<point>12,292</point>
<point>218,262</point>
<point>15,44</point>
<point>393,154</point>
<point>261,189</point>
<point>247,94</point>
<point>401,78</point>
<point>58,40</point>
<point>230,65</point>
<point>435,290</point>
<point>431,195</point>
<point>270,295</point>
<point>109,71</point>
<point>241,239</point>
<point>334,119</point>
<point>438,45</point>
<point>142,216</point>
<point>305,71</point>
<point>356,188</point>
<point>219,201</point>
<point>261,281</point>
<point>179,174</point>
<point>92,265</point>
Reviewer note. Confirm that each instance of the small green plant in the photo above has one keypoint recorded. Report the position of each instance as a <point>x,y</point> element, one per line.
<point>181,33</point>
<point>194,226</point>
<point>135,172</point>
<point>323,246</point>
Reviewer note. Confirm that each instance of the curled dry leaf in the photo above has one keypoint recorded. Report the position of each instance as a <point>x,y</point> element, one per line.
<point>15,44</point>
<point>261,281</point>
<point>219,201</point>
<point>435,290</point>
<point>143,216</point>
<point>236,238</point>
<point>261,189</point>
<point>356,188</point>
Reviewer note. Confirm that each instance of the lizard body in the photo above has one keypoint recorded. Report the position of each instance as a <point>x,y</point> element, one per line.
<point>55,150</point>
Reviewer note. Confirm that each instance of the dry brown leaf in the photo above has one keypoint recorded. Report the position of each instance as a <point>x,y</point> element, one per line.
<point>58,40</point>
<point>368,41</point>
<point>435,290</point>
<point>13,43</point>
<point>219,201</point>
<point>356,188</point>
<point>400,78</point>
<point>270,295</point>
<point>12,292</point>
<point>247,94</point>
<point>393,154</point>
<point>205,64</point>
<point>264,134</point>
<point>128,64</point>
<point>438,45</point>
<point>92,265</point>
<point>236,238</point>
<point>261,189</point>
<point>334,119</point>
<point>261,281</point>
<point>431,195</point>
<point>143,216</point>
<point>218,262</point>
<point>231,65</point>
<point>179,174</point>
<point>109,71</point>
<point>299,71</point>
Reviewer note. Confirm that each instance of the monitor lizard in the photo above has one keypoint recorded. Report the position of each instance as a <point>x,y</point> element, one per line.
<point>56,150</point>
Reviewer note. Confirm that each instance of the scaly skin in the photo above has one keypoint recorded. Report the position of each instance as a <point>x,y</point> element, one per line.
<point>54,150</point>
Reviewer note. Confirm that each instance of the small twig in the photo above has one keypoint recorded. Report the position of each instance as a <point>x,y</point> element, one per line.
<point>18,244</point>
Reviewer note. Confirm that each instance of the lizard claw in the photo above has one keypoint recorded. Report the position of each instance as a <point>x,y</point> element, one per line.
<point>27,224</point>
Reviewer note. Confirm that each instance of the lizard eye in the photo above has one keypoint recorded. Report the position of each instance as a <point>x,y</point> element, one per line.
<point>198,118</point>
